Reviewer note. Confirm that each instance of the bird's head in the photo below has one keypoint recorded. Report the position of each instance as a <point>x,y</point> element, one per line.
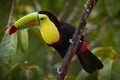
<point>48,25</point>
<point>47,16</point>
<point>34,19</point>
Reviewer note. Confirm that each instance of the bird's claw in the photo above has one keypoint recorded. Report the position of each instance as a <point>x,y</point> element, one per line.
<point>58,70</point>
<point>71,41</point>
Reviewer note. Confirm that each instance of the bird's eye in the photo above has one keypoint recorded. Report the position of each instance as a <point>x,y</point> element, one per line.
<point>42,18</point>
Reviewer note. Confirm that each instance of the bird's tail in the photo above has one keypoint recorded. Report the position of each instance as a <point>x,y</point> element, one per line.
<point>89,61</point>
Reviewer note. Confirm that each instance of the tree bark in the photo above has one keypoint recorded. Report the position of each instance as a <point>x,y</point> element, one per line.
<point>76,38</point>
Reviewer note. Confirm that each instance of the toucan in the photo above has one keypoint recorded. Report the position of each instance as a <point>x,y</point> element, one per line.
<point>58,35</point>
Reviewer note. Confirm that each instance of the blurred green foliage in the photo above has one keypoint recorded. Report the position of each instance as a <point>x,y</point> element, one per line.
<point>39,62</point>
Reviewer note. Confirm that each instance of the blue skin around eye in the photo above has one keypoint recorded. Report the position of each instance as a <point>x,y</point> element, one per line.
<point>21,28</point>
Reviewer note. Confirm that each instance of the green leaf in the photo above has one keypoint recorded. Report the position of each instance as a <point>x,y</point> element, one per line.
<point>23,40</point>
<point>82,75</point>
<point>111,70</point>
<point>24,72</point>
<point>15,72</point>
<point>86,76</point>
<point>70,77</point>
<point>3,72</point>
<point>117,40</point>
<point>8,49</point>
<point>27,75</point>
<point>105,73</point>
<point>104,52</point>
<point>13,46</point>
<point>2,32</point>
<point>113,7</point>
<point>115,70</point>
<point>38,73</point>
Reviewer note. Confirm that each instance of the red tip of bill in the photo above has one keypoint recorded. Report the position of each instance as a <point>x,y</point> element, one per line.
<point>12,30</point>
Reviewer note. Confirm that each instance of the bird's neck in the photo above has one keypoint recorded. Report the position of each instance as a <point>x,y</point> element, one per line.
<point>49,32</point>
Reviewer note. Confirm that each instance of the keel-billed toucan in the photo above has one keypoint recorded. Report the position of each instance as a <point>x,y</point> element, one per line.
<point>58,35</point>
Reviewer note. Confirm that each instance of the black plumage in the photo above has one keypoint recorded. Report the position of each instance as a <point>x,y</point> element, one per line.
<point>88,61</point>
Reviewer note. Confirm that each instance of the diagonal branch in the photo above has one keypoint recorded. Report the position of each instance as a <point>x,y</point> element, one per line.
<point>11,13</point>
<point>75,11</point>
<point>76,37</point>
<point>100,24</point>
<point>60,16</point>
<point>37,5</point>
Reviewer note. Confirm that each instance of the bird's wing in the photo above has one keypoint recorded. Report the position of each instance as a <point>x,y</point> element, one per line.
<point>67,30</point>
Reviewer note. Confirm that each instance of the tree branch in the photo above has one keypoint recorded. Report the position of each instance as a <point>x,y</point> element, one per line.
<point>75,11</point>
<point>64,10</point>
<point>101,32</point>
<point>37,5</point>
<point>100,24</point>
<point>76,38</point>
<point>11,13</point>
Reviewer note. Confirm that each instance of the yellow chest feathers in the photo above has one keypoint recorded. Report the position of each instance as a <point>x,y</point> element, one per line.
<point>49,32</point>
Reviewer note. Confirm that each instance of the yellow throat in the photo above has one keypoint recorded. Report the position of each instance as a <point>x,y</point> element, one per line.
<point>49,31</point>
